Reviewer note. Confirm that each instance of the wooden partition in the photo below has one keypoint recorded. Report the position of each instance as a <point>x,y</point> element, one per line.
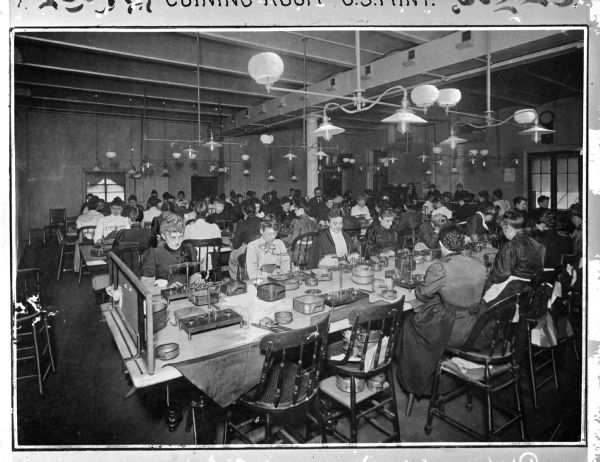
<point>134,308</point>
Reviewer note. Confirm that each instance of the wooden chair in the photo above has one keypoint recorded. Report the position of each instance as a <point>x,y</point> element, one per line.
<point>83,238</point>
<point>33,342</point>
<point>288,383</point>
<point>28,283</point>
<point>496,368</point>
<point>573,297</point>
<point>67,247</point>
<point>131,254</point>
<point>57,220</point>
<point>209,253</point>
<point>369,321</point>
<point>300,249</point>
<point>539,358</point>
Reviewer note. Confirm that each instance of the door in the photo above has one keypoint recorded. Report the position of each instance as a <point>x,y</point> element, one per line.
<point>203,186</point>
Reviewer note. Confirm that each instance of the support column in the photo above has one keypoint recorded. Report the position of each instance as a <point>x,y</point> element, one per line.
<point>312,161</point>
<point>369,159</point>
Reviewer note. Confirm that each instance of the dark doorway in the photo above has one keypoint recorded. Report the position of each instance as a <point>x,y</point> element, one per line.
<point>203,186</point>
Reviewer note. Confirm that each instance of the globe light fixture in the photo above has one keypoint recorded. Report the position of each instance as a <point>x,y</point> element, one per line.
<point>424,96</point>
<point>265,68</point>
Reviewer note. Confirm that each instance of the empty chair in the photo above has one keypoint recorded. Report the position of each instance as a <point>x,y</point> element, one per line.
<point>67,247</point>
<point>539,358</point>
<point>485,364</point>
<point>209,256</point>
<point>300,249</point>
<point>85,236</point>
<point>366,355</point>
<point>33,344</point>
<point>28,283</point>
<point>57,220</point>
<point>289,382</point>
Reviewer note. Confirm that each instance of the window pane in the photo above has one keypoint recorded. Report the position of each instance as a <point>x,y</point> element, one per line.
<point>546,165</point>
<point>573,182</point>
<point>535,182</point>
<point>561,183</point>
<point>561,165</point>
<point>573,165</point>
<point>572,198</point>
<point>545,182</point>
<point>535,166</point>
<point>561,201</point>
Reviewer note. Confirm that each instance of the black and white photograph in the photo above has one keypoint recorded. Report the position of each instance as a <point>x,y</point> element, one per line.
<point>263,230</point>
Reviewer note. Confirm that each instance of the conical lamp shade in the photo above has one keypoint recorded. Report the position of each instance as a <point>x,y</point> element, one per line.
<point>404,115</point>
<point>327,130</point>
<point>453,140</point>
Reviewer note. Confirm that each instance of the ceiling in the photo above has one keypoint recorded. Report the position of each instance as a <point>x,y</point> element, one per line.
<point>125,73</point>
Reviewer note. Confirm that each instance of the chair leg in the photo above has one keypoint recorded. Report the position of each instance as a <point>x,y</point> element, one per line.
<point>60,261</point>
<point>396,423</point>
<point>520,410</point>
<point>409,404</point>
<point>50,355</point>
<point>353,422</point>
<point>38,363</point>
<point>226,426</point>
<point>321,420</point>
<point>80,270</point>
<point>268,428</point>
<point>433,399</point>
<point>531,359</point>
<point>489,411</point>
<point>555,374</point>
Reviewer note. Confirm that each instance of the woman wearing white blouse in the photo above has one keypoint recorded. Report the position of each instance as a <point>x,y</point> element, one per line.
<point>360,209</point>
<point>266,251</point>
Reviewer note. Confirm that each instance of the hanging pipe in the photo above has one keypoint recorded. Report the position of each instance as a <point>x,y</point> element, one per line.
<point>357,55</point>
<point>489,112</point>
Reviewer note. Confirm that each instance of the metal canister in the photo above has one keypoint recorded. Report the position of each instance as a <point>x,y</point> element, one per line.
<point>343,383</point>
<point>376,382</point>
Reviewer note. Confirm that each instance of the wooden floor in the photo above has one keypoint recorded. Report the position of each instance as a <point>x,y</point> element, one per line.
<point>85,400</point>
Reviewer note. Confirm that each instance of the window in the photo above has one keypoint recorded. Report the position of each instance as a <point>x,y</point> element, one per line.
<point>105,185</point>
<point>557,176</point>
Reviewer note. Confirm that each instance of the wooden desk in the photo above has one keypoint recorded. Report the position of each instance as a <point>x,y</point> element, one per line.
<point>89,259</point>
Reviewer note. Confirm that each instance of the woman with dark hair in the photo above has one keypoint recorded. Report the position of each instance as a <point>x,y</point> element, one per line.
<point>267,255</point>
<point>332,242</point>
<point>517,263</point>
<point>428,232</point>
<point>480,225</point>
<point>483,197</point>
<point>200,228</point>
<point>444,312</point>
<point>545,233</point>
<point>136,234</point>
<point>246,231</point>
<point>502,204</point>
<point>382,237</point>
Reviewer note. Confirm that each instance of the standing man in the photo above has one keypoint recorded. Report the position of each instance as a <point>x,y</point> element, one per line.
<point>316,204</point>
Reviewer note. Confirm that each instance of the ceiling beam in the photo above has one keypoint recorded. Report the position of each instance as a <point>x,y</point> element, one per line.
<point>552,81</point>
<point>495,94</point>
<point>289,45</point>
<point>81,62</point>
<point>173,49</point>
<point>434,55</point>
<point>29,76</point>
<point>407,36</point>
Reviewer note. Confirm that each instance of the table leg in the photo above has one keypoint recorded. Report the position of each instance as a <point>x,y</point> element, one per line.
<point>174,416</point>
<point>198,419</point>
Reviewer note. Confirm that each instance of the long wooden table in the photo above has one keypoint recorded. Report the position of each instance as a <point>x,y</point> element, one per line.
<point>233,341</point>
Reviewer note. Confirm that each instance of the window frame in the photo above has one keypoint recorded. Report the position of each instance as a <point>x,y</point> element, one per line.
<point>105,173</point>
<point>553,156</point>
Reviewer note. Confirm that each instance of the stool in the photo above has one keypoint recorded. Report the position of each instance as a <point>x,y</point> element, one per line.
<point>35,327</point>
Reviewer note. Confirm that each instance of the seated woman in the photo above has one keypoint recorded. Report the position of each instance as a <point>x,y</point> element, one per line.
<point>266,254</point>
<point>200,228</point>
<point>443,314</point>
<point>136,234</point>
<point>480,226</point>
<point>428,232</point>
<point>331,243</point>
<point>167,208</point>
<point>302,224</point>
<point>157,262</point>
<point>517,263</point>
<point>382,237</point>
<point>544,232</point>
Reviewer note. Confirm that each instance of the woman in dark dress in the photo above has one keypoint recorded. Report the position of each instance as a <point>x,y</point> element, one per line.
<point>332,242</point>
<point>545,233</point>
<point>446,308</point>
<point>382,237</point>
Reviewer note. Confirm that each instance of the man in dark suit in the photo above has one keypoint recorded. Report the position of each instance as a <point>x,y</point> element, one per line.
<point>316,204</point>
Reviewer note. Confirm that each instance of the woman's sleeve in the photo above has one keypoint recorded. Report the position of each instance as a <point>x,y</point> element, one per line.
<point>252,263</point>
<point>502,264</point>
<point>149,263</point>
<point>435,278</point>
